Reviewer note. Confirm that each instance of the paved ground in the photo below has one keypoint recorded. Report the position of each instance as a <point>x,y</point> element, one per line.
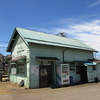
<point>90,91</point>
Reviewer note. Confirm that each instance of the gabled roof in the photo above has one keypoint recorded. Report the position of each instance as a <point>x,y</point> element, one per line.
<point>1,55</point>
<point>30,36</point>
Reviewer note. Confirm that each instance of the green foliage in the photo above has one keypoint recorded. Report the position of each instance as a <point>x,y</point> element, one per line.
<point>7,59</point>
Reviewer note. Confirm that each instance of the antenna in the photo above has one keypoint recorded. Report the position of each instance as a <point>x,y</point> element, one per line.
<point>63,34</point>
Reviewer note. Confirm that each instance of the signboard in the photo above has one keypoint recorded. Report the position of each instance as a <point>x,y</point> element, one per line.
<point>46,62</point>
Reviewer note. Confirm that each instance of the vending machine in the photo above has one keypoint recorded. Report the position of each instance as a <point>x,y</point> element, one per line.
<point>63,74</point>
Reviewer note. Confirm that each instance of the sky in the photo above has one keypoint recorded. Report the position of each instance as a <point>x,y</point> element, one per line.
<point>79,19</point>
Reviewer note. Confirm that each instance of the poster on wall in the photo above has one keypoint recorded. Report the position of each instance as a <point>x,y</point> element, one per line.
<point>35,69</point>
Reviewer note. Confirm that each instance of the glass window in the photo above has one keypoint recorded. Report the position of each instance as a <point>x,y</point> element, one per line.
<point>21,68</point>
<point>72,66</point>
<point>13,65</point>
<point>43,71</point>
<point>13,68</point>
<point>94,67</point>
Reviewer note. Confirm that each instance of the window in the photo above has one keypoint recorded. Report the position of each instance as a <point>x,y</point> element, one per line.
<point>94,67</point>
<point>72,67</point>
<point>43,71</point>
<point>13,65</point>
<point>13,68</point>
<point>21,68</point>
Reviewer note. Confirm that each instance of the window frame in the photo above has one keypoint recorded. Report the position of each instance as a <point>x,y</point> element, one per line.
<point>13,65</point>
<point>94,68</point>
<point>13,68</point>
<point>71,66</point>
<point>78,70</point>
<point>22,68</point>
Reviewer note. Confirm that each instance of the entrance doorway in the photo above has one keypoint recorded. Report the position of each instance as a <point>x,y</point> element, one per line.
<point>83,70</point>
<point>46,77</point>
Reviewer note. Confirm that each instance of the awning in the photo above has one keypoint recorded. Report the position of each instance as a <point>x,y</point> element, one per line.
<point>86,63</point>
<point>90,64</point>
<point>17,59</point>
<point>47,58</point>
<point>98,61</point>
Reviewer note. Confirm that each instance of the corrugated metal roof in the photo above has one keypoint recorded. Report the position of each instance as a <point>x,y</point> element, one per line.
<point>49,39</point>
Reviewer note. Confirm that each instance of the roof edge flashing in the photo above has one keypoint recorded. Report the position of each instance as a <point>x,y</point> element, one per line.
<point>12,39</point>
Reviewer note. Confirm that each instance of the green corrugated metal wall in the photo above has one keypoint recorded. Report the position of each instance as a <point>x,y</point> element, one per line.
<point>51,51</point>
<point>19,45</point>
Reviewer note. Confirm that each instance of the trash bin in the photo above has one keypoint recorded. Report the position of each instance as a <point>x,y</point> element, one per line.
<point>71,80</point>
<point>96,79</point>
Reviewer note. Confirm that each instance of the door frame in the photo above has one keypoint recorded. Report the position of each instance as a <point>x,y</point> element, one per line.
<point>40,74</point>
<point>83,74</point>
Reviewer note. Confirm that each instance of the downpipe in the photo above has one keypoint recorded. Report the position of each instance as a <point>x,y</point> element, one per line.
<point>63,55</point>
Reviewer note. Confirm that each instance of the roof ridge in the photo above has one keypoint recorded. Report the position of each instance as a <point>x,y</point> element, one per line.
<point>47,33</point>
<point>49,39</point>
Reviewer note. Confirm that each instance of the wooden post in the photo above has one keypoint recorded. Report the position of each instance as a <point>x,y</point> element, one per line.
<point>0,77</point>
<point>9,71</point>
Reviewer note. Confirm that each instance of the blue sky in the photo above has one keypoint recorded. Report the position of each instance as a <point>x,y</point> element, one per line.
<point>80,19</point>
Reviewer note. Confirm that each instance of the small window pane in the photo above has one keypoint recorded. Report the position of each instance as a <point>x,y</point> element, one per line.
<point>72,68</point>
<point>94,67</point>
<point>13,66</point>
<point>77,69</point>
<point>21,68</point>
<point>43,71</point>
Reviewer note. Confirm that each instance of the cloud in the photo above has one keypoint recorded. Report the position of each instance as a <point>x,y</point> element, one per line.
<point>3,45</point>
<point>87,32</point>
<point>94,4</point>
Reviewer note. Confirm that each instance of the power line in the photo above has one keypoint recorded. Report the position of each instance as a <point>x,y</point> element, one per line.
<point>4,42</point>
<point>3,47</point>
